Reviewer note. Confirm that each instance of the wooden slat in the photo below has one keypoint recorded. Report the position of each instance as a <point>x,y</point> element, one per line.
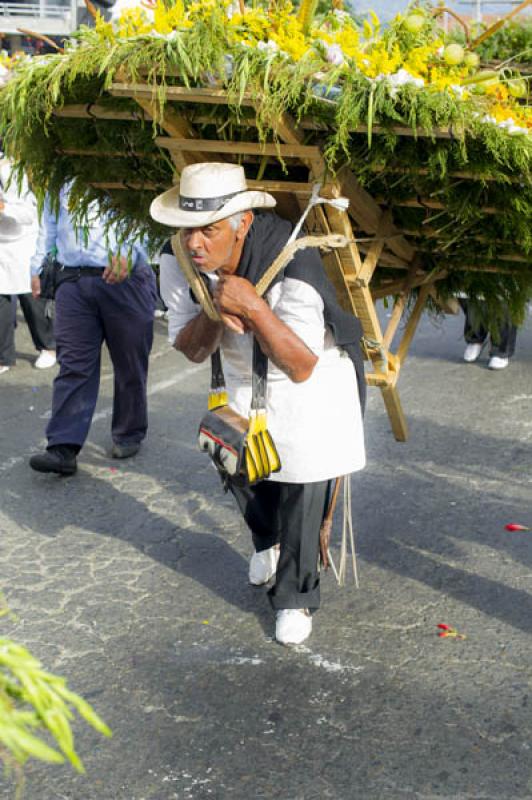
<point>402,130</point>
<point>175,125</point>
<point>412,324</point>
<point>395,319</point>
<point>287,130</point>
<point>299,188</point>
<point>250,148</point>
<point>367,213</point>
<point>349,256</point>
<point>393,406</point>
<point>500,257</point>
<point>414,202</point>
<point>471,176</point>
<point>372,258</point>
<point>89,111</point>
<point>332,261</point>
<point>385,259</point>
<point>128,186</point>
<point>176,93</point>
<point>92,152</point>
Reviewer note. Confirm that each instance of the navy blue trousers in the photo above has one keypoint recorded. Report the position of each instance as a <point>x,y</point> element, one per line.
<point>89,312</point>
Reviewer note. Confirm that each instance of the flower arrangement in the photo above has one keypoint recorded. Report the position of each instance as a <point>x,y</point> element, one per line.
<point>410,51</point>
<point>465,194</point>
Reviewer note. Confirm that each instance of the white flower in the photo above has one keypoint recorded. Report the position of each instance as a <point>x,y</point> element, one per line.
<point>270,46</point>
<point>507,125</point>
<point>341,15</point>
<point>458,90</point>
<point>334,54</point>
<point>397,79</point>
<point>169,37</point>
<point>511,127</point>
<point>402,77</point>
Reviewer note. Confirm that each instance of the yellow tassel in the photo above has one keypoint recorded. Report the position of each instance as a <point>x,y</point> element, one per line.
<point>273,455</point>
<point>262,445</point>
<point>217,399</point>
<point>253,448</point>
<point>251,465</point>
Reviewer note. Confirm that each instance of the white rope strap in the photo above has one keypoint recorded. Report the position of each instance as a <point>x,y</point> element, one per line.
<point>347,534</point>
<point>201,293</point>
<point>194,280</point>
<point>331,240</point>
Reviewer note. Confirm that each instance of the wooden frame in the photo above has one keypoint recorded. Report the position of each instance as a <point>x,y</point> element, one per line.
<point>367,224</point>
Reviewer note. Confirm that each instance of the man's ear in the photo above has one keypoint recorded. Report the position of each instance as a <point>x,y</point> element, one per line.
<point>245,224</point>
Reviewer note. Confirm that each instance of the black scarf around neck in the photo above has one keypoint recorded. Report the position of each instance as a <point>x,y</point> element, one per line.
<point>265,239</point>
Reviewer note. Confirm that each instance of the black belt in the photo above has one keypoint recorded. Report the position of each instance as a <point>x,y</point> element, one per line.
<point>82,271</point>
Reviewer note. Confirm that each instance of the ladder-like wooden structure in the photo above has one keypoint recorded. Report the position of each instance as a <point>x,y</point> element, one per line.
<point>373,239</point>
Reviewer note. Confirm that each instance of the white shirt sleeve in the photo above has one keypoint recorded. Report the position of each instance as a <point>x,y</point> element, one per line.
<point>175,292</point>
<point>300,307</point>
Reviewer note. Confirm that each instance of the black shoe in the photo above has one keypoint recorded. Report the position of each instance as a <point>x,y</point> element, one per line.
<point>125,450</point>
<point>56,459</point>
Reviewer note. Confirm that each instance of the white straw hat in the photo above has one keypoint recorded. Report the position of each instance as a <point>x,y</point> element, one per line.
<point>207,193</point>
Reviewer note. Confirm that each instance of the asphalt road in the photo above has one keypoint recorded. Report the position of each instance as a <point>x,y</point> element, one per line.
<point>130,580</point>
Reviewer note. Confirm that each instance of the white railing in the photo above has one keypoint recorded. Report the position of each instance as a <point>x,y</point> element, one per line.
<point>33,10</point>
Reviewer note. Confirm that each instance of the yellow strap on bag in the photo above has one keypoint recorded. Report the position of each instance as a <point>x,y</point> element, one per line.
<point>271,450</point>
<point>217,399</point>
<point>252,460</point>
<point>256,447</point>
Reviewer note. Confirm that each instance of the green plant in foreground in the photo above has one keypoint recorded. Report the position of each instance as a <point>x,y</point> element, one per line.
<point>33,702</point>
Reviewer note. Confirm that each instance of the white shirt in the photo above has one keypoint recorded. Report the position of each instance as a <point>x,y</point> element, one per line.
<point>15,277</point>
<point>317,424</point>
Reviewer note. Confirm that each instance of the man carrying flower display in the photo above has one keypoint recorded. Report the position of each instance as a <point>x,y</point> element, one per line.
<point>312,400</point>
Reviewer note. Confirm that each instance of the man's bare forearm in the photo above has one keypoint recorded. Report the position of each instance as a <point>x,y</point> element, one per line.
<point>199,338</point>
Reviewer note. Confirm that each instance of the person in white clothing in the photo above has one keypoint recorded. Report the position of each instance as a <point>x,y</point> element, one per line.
<point>313,397</point>
<point>18,234</point>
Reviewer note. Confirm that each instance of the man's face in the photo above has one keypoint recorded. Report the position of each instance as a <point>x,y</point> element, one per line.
<point>215,246</point>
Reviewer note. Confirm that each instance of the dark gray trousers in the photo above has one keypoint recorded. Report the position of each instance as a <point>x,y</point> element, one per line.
<point>476,333</point>
<point>288,514</point>
<point>41,326</point>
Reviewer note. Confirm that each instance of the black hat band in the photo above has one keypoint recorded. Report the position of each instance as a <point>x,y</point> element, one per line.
<point>205,203</point>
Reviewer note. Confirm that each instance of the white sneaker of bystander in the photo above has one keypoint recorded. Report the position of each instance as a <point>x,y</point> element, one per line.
<point>45,359</point>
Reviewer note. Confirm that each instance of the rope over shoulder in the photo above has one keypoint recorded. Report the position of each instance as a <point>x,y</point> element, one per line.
<point>191,273</point>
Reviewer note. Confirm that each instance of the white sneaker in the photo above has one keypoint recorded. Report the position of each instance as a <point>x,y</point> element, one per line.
<point>293,625</point>
<point>45,359</point>
<point>263,566</point>
<point>498,362</point>
<point>472,352</point>
<point>4,368</point>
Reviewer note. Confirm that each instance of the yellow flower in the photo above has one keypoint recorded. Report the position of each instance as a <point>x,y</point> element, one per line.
<point>104,29</point>
<point>349,41</point>
<point>378,61</point>
<point>168,18</point>
<point>132,22</point>
<point>376,21</point>
<point>253,27</point>
<point>418,59</point>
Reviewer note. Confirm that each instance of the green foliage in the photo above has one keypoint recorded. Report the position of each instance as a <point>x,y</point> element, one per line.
<point>34,702</point>
<point>513,40</point>
<point>479,166</point>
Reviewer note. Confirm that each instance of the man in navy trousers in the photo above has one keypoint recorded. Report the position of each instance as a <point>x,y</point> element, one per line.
<point>100,297</point>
